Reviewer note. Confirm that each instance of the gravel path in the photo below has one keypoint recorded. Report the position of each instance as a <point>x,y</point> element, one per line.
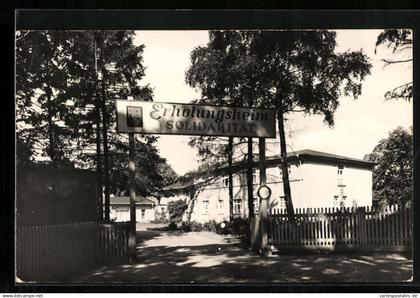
<point>204,257</point>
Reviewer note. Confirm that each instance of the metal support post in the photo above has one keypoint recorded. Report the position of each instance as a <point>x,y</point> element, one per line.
<point>264,193</point>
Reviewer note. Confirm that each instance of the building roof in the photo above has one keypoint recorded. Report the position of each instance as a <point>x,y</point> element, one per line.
<point>318,156</point>
<point>295,157</point>
<point>126,201</point>
<point>180,184</point>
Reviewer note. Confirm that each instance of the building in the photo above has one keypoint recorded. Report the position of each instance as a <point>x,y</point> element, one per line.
<point>120,209</point>
<point>317,179</point>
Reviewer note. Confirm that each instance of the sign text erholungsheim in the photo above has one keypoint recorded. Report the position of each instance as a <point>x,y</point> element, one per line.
<point>189,119</point>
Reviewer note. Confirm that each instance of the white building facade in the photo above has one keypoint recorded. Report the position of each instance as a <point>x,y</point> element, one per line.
<point>317,179</point>
<point>120,209</point>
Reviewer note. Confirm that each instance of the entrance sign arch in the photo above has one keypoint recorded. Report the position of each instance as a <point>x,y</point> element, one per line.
<point>144,117</point>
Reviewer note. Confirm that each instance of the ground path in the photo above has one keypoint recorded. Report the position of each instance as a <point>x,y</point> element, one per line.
<point>204,257</point>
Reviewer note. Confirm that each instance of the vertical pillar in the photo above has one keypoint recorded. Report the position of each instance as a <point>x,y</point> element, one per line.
<point>132,242</point>
<point>263,206</point>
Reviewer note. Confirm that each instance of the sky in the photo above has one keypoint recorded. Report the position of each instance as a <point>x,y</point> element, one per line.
<point>359,124</point>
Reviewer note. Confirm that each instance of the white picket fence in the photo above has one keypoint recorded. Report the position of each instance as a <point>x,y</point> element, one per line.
<point>361,228</point>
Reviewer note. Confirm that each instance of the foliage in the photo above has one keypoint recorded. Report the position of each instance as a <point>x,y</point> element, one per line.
<point>60,102</point>
<point>40,84</point>
<point>176,210</point>
<point>278,69</point>
<point>239,226</point>
<point>186,226</point>
<point>392,176</point>
<point>196,226</point>
<point>172,226</point>
<point>399,41</point>
<point>210,226</point>
<point>290,71</point>
<point>152,171</point>
<point>160,218</point>
<point>210,150</point>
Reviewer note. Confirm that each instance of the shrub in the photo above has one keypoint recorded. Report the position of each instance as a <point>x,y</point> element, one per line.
<point>196,226</point>
<point>223,228</point>
<point>186,227</point>
<point>172,226</point>
<point>176,210</point>
<point>239,226</point>
<point>160,218</point>
<point>210,226</point>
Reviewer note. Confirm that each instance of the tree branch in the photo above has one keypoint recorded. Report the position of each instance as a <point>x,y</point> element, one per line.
<point>396,61</point>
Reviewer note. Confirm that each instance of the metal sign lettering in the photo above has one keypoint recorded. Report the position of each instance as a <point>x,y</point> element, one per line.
<point>189,119</point>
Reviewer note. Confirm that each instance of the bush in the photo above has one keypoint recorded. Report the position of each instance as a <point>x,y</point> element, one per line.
<point>239,226</point>
<point>196,226</point>
<point>176,210</point>
<point>160,218</point>
<point>223,228</point>
<point>172,226</point>
<point>210,226</point>
<point>186,227</point>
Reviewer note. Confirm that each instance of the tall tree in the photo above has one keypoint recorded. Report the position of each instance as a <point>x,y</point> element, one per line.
<point>216,71</point>
<point>400,41</point>
<point>39,88</point>
<point>392,176</point>
<point>80,67</point>
<point>290,71</point>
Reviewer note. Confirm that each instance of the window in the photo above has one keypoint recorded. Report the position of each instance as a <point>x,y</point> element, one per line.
<point>254,177</point>
<point>206,206</point>
<point>282,202</point>
<point>143,213</point>
<point>237,206</point>
<point>340,175</point>
<point>226,181</point>
<point>256,205</point>
<point>122,211</point>
<point>220,206</point>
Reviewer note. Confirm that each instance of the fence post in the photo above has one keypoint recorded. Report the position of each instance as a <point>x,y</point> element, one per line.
<point>362,223</point>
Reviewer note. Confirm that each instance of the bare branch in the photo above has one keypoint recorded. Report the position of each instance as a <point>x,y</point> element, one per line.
<point>23,36</point>
<point>396,61</point>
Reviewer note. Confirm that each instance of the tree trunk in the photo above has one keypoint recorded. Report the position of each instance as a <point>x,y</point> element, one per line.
<point>230,162</point>
<point>98,153</point>
<point>284,167</point>
<point>106,159</point>
<point>51,149</point>
<point>193,196</point>
<point>250,180</point>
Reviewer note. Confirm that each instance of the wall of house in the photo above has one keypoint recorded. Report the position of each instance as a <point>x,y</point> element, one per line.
<point>312,185</point>
<point>122,213</point>
<point>316,185</point>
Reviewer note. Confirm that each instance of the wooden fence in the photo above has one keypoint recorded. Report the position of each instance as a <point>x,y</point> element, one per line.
<point>360,228</point>
<point>59,252</point>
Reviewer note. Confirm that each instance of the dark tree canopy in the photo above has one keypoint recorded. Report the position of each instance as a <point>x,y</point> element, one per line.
<point>392,176</point>
<point>290,71</point>
<point>399,41</point>
<point>59,75</point>
<point>297,70</point>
